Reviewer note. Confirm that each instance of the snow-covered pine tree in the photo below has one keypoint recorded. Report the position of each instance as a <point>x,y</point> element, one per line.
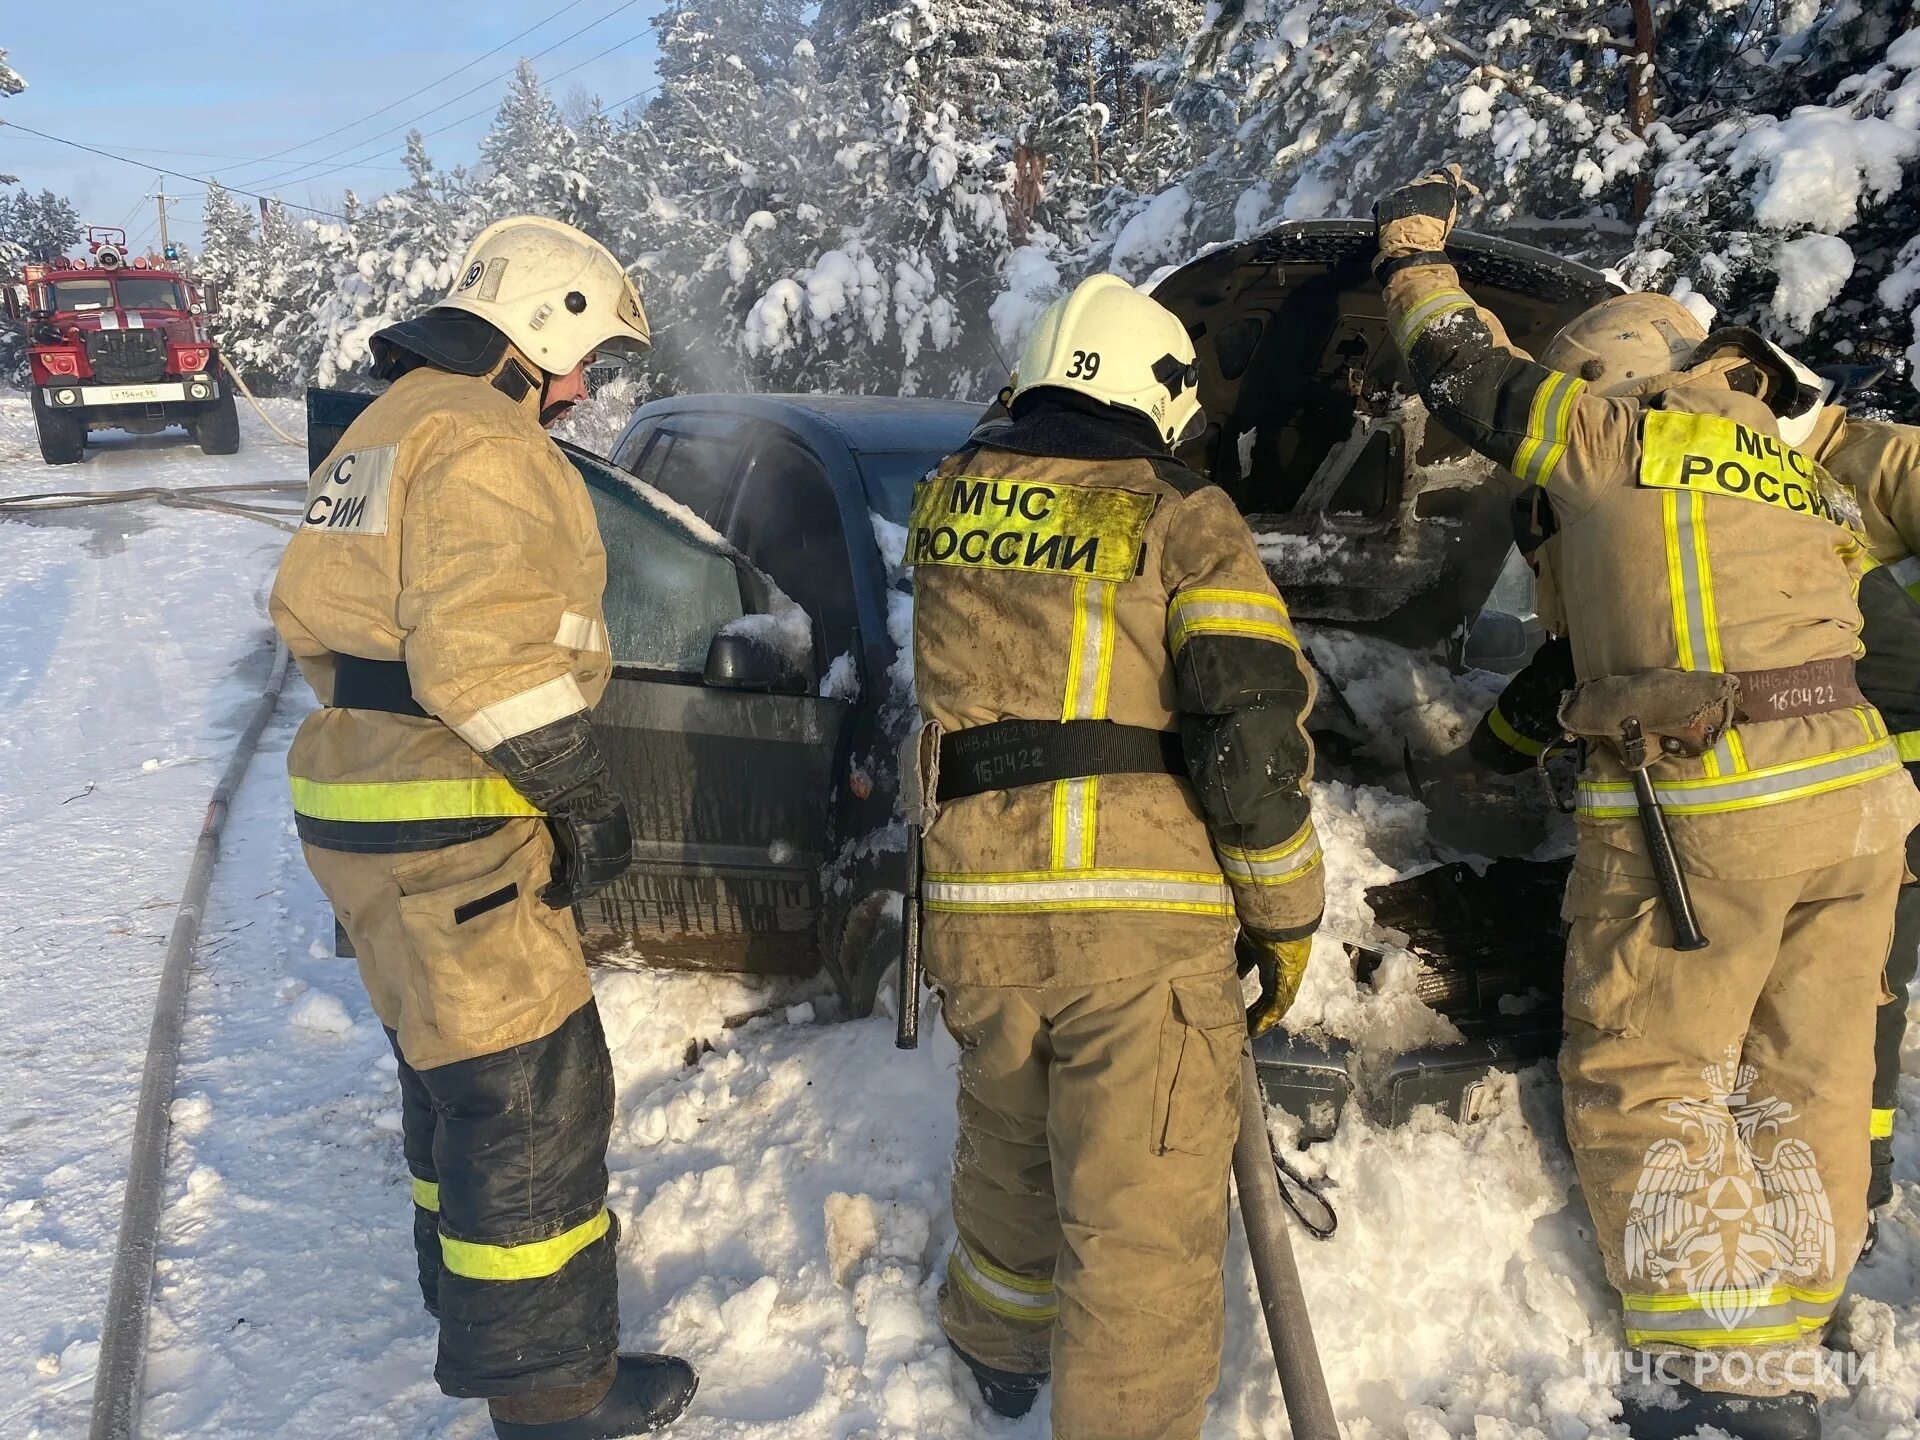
<point>1804,222</point>
<point>38,227</point>
<point>10,84</point>
<point>531,162</point>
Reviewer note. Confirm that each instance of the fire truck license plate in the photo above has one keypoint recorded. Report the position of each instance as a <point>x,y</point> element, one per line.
<point>133,394</point>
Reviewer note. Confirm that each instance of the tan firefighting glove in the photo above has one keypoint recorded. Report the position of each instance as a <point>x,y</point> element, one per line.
<point>1280,964</point>
<point>1411,224</point>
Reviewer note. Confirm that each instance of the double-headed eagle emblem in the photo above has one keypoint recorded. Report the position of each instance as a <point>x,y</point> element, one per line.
<point>1729,1208</point>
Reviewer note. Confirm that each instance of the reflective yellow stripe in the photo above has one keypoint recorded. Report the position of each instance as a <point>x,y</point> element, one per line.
<point>1504,732</point>
<point>426,1194</point>
<point>1278,865</point>
<point>1010,1296</point>
<point>1696,619</point>
<point>1880,1127</point>
<point>1089,683</point>
<point>1771,1313</point>
<point>1676,579</point>
<point>1713,1337</point>
<point>1548,420</point>
<point>1026,892</point>
<point>536,1260</point>
<point>1228,612</point>
<point>1408,327</point>
<point>1749,790</point>
<point>407,799</point>
<point>1907,571</point>
<point>1907,745</point>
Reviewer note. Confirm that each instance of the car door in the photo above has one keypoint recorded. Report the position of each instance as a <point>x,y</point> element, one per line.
<point>727,776</point>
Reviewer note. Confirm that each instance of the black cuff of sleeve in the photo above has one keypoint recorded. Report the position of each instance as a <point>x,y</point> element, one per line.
<point>1387,269</point>
<point>1281,937</point>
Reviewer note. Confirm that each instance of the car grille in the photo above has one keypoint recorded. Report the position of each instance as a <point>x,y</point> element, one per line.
<point>127,357</point>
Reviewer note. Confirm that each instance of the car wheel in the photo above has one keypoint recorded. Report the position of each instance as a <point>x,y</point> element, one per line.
<point>63,434</point>
<point>217,428</point>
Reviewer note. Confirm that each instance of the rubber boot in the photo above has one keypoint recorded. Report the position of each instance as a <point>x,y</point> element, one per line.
<point>1679,1409</point>
<point>648,1392</point>
<point>1007,1392</point>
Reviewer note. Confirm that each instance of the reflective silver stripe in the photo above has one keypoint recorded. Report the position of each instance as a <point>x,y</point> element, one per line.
<point>1759,1314</point>
<point>1277,865</point>
<point>1614,798</point>
<point>136,321</point>
<point>580,632</point>
<point>1014,1296</point>
<point>109,320</point>
<point>517,714</point>
<point>1089,672</point>
<point>1537,456</point>
<point>1907,572</point>
<point>1408,327</point>
<point>1090,890</point>
<point>1076,814</point>
<point>1227,612</point>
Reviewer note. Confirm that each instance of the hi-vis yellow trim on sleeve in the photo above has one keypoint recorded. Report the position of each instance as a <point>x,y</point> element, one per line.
<point>1010,1296</point>
<point>1880,1125</point>
<point>1408,327</point>
<point>1712,455</point>
<point>983,523</point>
<point>1761,1315</point>
<point>1548,421</point>
<point>1747,790</point>
<point>534,1261</point>
<point>1504,732</point>
<point>1249,613</point>
<point>387,800</point>
<point>1278,864</point>
<point>1907,743</point>
<point>1031,892</point>
<point>426,1194</point>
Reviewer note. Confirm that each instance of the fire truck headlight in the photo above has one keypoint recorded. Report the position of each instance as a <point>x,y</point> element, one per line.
<point>66,397</point>
<point>199,390</point>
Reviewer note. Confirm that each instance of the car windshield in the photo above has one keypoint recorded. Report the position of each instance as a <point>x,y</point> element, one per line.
<point>90,294</point>
<point>890,476</point>
<point>149,292</point>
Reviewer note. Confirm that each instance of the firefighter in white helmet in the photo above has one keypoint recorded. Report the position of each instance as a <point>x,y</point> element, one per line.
<point>443,599</point>
<point>1116,767</point>
<point>1714,582</point>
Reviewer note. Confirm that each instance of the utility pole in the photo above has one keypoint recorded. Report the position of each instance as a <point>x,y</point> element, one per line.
<point>161,201</point>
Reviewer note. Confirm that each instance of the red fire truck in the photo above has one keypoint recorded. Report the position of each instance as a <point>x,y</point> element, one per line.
<point>119,342</point>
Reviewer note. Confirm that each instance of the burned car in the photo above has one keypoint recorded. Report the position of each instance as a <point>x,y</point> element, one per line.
<point>760,692</point>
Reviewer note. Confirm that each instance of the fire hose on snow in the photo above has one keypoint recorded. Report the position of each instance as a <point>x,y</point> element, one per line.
<point>123,1337</point>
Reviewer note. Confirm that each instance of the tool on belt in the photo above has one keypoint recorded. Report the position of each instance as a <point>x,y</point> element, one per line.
<point>1656,715</point>
<point>906,1034</point>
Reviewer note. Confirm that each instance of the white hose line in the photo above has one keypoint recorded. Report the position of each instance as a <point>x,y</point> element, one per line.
<point>227,365</point>
<point>123,1338</point>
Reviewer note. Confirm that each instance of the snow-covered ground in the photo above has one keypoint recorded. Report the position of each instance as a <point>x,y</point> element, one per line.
<point>780,1180</point>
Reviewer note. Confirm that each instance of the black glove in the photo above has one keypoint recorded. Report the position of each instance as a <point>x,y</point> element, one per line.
<point>559,767</point>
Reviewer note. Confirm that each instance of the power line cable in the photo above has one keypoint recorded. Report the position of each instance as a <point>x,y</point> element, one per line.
<point>414,95</point>
<point>207,155</point>
<point>371,144</point>
<point>176,174</point>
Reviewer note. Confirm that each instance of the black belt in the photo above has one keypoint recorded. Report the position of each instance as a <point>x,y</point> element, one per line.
<point>1011,753</point>
<point>361,684</point>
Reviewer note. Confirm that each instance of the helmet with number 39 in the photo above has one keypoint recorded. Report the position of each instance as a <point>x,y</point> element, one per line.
<point>1111,343</point>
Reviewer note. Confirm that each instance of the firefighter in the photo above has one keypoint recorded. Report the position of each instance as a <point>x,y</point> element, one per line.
<point>1704,572</point>
<point>443,599</point>
<point>1114,702</point>
<point>1879,462</point>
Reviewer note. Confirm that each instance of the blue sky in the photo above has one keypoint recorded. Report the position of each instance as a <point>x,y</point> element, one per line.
<point>248,78</point>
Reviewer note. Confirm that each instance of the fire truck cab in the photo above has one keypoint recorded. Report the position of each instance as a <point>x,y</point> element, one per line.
<point>119,342</point>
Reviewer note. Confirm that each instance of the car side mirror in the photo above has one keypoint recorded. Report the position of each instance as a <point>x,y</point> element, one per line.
<point>738,661</point>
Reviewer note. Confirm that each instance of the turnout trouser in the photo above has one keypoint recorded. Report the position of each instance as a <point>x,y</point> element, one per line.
<point>1090,1193</point>
<point>506,1107</point>
<point>1890,1030</point>
<point>1715,1102</point>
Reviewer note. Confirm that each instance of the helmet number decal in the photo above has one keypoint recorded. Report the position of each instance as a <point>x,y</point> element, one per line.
<point>1086,365</point>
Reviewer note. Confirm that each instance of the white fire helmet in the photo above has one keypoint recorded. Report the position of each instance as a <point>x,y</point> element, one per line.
<point>557,294</point>
<point>1110,343</point>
